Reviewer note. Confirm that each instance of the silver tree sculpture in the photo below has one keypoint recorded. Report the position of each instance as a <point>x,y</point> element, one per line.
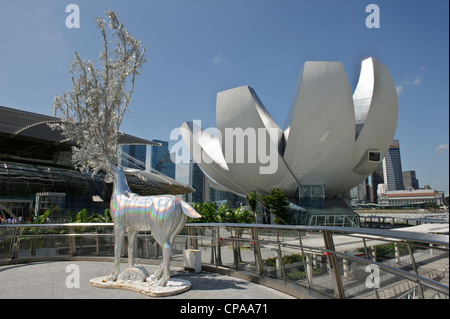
<point>93,110</point>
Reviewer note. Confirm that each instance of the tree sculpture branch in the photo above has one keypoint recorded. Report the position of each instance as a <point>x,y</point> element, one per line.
<point>94,109</point>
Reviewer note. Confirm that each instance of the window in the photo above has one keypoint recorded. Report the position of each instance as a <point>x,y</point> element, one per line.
<point>374,156</point>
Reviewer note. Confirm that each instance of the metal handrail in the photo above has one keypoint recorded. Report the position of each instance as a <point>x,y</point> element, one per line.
<point>435,240</point>
<point>350,231</point>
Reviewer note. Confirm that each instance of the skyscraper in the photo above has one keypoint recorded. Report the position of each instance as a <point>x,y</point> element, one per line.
<point>198,183</point>
<point>376,178</point>
<point>137,156</point>
<point>392,168</point>
<point>161,160</point>
<point>410,180</point>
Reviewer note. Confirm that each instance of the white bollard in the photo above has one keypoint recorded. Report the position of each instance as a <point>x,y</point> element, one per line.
<point>192,259</point>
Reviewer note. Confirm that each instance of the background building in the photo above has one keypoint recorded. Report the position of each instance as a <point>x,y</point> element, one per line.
<point>412,197</point>
<point>389,185</point>
<point>205,190</point>
<point>376,178</point>
<point>392,168</point>
<point>331,141</point>
<point>36,172</point>
<point>137,155</point>
<point>199,184</point>
<point>161,159</point>
<point>409,180</point>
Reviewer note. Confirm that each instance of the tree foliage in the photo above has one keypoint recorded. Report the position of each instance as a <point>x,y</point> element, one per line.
<point>277,204</point>
<point>211,213</point>
<point>81,217</point>
<point>252,199</point>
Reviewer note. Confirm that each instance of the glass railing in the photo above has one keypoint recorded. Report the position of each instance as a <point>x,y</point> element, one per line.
<point>336,262</point>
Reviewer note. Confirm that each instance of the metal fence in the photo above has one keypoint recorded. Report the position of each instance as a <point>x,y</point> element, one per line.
<point>336,262</point>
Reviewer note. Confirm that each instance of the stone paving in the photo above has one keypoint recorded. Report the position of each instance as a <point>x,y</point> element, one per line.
<point>52,280</point>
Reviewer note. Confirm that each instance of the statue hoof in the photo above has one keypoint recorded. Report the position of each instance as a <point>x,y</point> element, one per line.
<point>162,282</point>
<point>112,278</point>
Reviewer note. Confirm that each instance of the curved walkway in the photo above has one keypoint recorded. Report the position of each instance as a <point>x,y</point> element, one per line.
<point>52,280</point>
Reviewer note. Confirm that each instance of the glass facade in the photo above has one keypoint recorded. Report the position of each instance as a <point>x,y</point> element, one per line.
<point>311,196</point>
<point>198,183</point>
<point>20,182</point>
<point>138,155</point>
<point>161,159</point>
<point>409,180</point>
<point>31,151</point>
<point>393,163</point>
<point>30,168</point>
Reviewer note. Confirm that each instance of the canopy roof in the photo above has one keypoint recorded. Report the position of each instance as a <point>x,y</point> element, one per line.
<point>33,125</point>
<point>154,183</point>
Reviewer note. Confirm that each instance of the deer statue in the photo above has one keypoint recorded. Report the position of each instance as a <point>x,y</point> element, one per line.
<point>164,216</point>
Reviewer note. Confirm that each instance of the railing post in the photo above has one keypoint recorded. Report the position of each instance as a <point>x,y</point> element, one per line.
<point>72,246</point>
<point>280,258</point>
<point>415,270</point>
<point>234,244</point>
<point>97,245</point>
<point>257,251</point>
<point>365,249</point>
<point>193,242</point>
<point>307,265</point>
<point>14,244</point>
<point>334,267</point>
<point>218,253</point>
<point>279,265</point>
<point>397,254</point>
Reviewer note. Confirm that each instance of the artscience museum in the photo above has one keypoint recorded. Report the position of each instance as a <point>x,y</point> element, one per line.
<point>331,141</point>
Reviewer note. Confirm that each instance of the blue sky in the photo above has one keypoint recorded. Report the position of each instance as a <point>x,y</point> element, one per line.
<point>197,48</point>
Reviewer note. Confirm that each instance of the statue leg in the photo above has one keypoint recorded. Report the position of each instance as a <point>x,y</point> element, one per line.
<point>131,246</point>
<point>167,250</point>
<point>157,274</point>
<point>119,233</point>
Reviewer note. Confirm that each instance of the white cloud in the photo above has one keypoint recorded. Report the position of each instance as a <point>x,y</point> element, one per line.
<point>408,82</point>
<point>217,58</point>
<point>441,149</point>
<point>417,80</point>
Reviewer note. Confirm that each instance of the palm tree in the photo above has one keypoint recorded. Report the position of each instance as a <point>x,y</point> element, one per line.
<point>252,199</point>
<point>237,216</point>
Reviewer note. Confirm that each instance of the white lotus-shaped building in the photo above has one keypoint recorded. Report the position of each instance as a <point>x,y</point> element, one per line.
<point>331,138</point>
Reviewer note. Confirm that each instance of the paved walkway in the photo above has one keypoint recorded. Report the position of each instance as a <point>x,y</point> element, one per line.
<point>48,280</point>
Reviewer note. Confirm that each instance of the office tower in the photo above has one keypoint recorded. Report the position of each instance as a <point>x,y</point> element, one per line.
<point>136,158</point>
<point>409,180</point>
<point>376,178</point>
<point>198,183</point>
<point>161,160</point>
<point>392,168</point>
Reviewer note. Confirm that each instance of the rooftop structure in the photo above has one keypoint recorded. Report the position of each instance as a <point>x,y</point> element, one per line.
<point>34,159</point>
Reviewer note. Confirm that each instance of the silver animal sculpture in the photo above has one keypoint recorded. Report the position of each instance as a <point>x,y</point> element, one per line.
<point>163,215</point>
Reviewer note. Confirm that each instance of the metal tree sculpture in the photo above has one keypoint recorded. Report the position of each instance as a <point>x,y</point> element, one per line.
<point>93,110</point>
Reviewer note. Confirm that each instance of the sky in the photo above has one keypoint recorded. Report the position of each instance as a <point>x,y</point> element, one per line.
<point>197,48</point>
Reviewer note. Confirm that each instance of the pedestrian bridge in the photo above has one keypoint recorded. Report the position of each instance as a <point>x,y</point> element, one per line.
<point>291,261</point>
